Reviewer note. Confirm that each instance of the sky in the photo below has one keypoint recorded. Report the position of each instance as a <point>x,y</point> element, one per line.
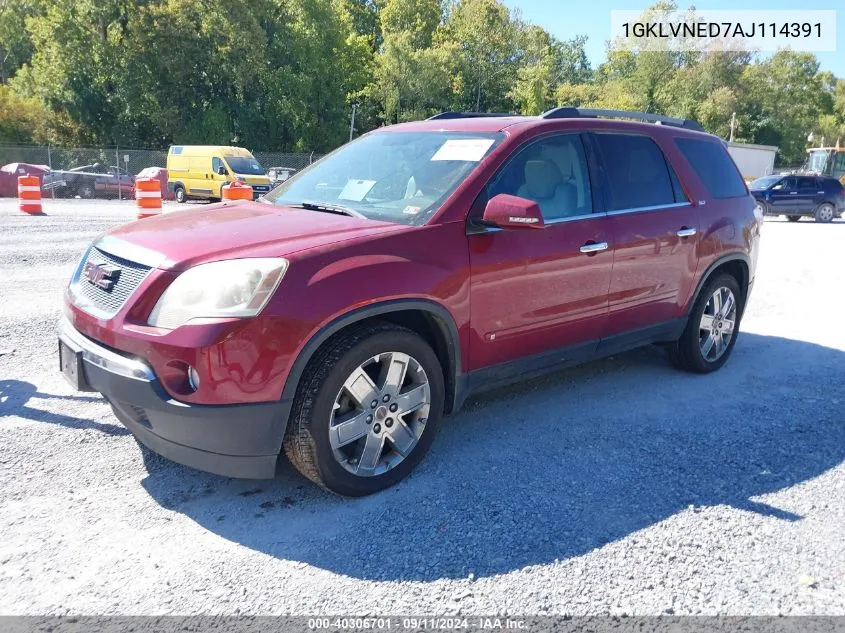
<point>565,19</point>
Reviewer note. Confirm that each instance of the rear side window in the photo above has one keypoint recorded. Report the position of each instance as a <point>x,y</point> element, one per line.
<point>714,167</point>
<point>637,172</point>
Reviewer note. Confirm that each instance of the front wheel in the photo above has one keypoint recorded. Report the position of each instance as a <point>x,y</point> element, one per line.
<point>85,191</point>
<point>710,334</point>
<point>179,194</point>
<point>366,410</point>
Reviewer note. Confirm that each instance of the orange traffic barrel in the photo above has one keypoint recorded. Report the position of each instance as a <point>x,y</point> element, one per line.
<point>237,191</point>
<point>148,197</point>
<point>29,195</point>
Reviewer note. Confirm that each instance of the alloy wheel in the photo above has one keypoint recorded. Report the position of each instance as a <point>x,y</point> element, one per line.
<point>718,324</point>
<point>379,414</point>
<point>825,213</point>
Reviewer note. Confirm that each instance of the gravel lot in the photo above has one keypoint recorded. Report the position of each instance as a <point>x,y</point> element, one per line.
<point>622,486</point>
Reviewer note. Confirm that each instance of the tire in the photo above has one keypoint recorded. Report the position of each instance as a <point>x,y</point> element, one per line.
<point>330,459</point>
<point>179,194</point>
<point>688,352</point>
<point>85,191</point>
<point>824,213</point>
<point>793,218</point>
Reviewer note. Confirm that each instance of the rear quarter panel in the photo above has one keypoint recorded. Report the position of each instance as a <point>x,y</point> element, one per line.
<point>728,227</point>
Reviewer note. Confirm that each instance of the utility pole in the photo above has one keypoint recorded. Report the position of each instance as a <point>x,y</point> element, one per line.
<point>352,122</point>
<point>733,125</point>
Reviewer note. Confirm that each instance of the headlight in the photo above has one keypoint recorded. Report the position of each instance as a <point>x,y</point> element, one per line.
<point>232,288</point>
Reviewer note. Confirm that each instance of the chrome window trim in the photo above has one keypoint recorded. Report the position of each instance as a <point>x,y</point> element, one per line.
<point>574,218</point>
<point>657,207</point>
<point>599,214</point>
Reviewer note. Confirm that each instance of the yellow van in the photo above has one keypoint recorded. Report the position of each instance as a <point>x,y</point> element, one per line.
<point>200,171</point>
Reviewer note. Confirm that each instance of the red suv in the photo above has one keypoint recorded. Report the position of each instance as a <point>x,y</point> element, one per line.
<point>342,315</point>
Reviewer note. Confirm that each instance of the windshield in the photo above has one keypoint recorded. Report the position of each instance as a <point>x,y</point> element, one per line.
<point>399,177</point>
<point>765,182</point>
<point>817,160</point>
<point>246,166</point>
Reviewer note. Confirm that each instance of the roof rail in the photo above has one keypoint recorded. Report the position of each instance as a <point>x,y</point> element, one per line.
<point>568,112</point>
<point>467,115</point>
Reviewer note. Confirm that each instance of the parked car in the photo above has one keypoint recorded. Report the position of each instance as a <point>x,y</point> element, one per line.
<point>342,316</point>
<point>160,174</point>
<point>90,181</point>
<point>820,197</point>
<point>9,176</point>
<point>200,172</point>
<point>278,175</point>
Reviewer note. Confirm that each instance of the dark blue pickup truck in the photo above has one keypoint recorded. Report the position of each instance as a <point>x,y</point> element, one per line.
<point>796,196</point>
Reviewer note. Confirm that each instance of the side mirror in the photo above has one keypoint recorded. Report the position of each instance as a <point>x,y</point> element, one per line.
<point>221,170</point>
<point>512,212</point>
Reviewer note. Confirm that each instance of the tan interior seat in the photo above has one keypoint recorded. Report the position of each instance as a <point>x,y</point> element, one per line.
<point>544,185</point>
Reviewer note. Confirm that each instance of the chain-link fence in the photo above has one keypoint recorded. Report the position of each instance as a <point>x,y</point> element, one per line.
<point>133,161</point>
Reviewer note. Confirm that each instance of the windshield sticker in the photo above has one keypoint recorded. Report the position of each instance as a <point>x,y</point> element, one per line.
<point>467,149</point>
<point>409,210</point>
<point>355,190</point>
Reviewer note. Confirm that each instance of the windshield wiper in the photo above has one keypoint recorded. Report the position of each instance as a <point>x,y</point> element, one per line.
<point>328,207</point>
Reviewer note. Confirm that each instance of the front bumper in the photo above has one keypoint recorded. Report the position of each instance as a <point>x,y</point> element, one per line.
<point>260,190</point>
<point>241,440</point>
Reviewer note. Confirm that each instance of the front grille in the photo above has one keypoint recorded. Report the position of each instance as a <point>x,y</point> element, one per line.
<point>109,301</point>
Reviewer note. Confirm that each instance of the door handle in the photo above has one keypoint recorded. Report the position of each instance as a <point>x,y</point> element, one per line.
<point>593,247</point>
<point>686,232</point>
<point>793,193</point>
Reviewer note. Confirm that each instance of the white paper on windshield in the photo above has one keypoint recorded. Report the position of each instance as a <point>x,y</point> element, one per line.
<point>355,190</point>
<point>468,149</point>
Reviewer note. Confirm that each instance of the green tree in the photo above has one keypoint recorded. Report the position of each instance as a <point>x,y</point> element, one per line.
<point>413,73</point>
<point>486,38</point>
<point>783,97</point>
<point>546,63</point>
<point>708,90</point>
<point>16,47</point>
<point>611,95</point>
<point>27,120</point>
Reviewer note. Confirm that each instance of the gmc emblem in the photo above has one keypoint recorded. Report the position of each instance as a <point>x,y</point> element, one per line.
<point>103,276</point>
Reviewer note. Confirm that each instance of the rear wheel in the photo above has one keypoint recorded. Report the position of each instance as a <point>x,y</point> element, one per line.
<point>824,213</point>
<point>793,218</point>
<point>366,410</point>
<point>712,328</point>
<point>179,193</point>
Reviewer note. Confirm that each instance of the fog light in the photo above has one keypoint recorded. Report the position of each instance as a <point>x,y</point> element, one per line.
<point>193,378</point>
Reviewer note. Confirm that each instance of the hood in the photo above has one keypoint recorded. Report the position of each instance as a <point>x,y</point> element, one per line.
<point>237,229</point>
